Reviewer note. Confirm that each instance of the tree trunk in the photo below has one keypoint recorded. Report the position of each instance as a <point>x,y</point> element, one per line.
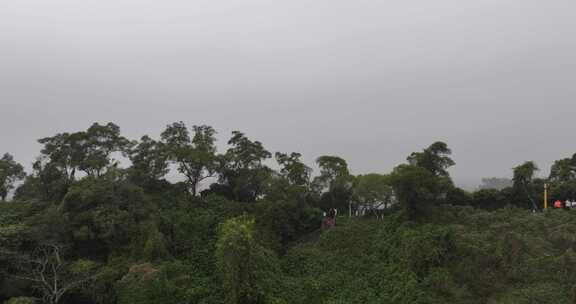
<point>529,197</point>
<point>54,299</point>
<point>193,188</point>
<point>349,209</point>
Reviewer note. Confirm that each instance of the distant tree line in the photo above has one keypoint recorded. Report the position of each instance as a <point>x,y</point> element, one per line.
<point>82,228</point>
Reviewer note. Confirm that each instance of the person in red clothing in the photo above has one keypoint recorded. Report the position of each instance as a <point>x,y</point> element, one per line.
<point>327,223</point>
<point>329,219</point>
<point>557,204</point>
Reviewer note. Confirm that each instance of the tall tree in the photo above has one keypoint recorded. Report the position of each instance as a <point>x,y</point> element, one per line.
<point>48,182</point>
<point>196,155</point>
<point>98,145</point>
<point>64,151</point>
<point>293,169</point>
<point>416,188</point>
<point>333,169</point>
<point>292,180</point>
<point>523,178</point>
<point>149,160</point>
<point>334,182</point>
<point>435,159</point>
<point>245,153</point>
<point>249,271</point>
<point>104,213</point>
<point>242,167</point>
<point>373,192</point>
<point>563,170</point>
<point>89,151</point>
<point>10,172</point>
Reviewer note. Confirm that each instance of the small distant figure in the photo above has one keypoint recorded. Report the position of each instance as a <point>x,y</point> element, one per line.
<point>329,219</point>
<point>332,213</point>
<point>557,204</point>
<point>327,223</point>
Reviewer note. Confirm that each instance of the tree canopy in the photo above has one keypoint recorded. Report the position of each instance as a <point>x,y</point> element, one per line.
<point>10,172</point>
<point>435,158</point>
<point>102,219</point>
<point>195,156</point>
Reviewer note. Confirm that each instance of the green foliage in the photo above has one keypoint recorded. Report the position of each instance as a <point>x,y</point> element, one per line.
<point>564,190</point>
<point>149,161</point>
<point>13,226</point>
<point>155,248</point>
<point>435,159</point>
<point>382,258</point>
<point>168,282</point>
<point>48,182</point>
<point>507,256</point>
<point>195,156</point>
<point>294,170</point>
<point>14,233</point>
<point>334,183</point>
<point>331,169</point>
<point>104,213</point>
<point>425,181</point>
<point>89,151</point>
<point>417,188</point>
<point>10,172</point>
<point>281,223</point>
<point>523,180</point>
<point>126,236</point>
<point>21,300</point>
<point>524,173</point>
<point>250,272</point>
<point>563,170</point>
<point>457,196</point>
<point>190,229</point>
<point>242,171</point>
<point>489,199</point>
<point>373,192</point>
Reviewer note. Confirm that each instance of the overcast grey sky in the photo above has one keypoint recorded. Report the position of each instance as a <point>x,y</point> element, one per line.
<point>370,81</point>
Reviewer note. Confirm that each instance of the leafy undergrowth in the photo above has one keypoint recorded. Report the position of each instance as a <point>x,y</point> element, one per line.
<point>458,255</point>
<point>453,255</point>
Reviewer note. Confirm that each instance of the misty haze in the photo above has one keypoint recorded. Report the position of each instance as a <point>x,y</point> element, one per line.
<point>253,152</point>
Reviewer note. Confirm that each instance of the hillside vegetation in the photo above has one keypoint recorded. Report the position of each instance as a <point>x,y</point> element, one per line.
<point>80,228</point>
<point>461,256</point>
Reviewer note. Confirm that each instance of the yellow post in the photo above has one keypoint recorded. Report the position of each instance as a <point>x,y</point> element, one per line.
<point>545,196</point>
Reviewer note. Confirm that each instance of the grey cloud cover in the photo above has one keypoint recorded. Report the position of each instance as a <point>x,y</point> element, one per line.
<point>370,81</point>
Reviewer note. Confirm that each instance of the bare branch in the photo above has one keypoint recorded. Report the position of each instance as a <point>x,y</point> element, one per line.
<point>49,272</point>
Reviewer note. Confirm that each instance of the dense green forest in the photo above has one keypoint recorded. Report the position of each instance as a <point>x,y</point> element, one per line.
<point>96,221</point>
